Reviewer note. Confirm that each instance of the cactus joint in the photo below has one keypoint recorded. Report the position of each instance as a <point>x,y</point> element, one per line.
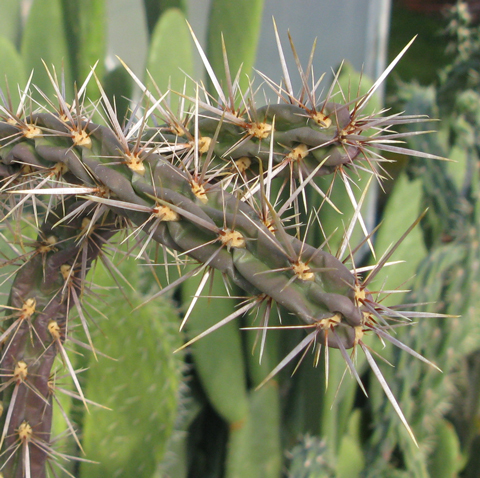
<point>329,322</point>
<point>59,169</point>
<point>359,295</point>
<point>270,225</point>
<point>199,192</point>
<point>297,153</point>
<point>81,138</point>
<point>242,164</point>
<point>321,119</point>
<point>85,224</point>
<point>203,144</point>
<point>30,131</point>
<point>135,163</point>
<point>54,329</point>
<point>358,334</point>
<point>66,271</point>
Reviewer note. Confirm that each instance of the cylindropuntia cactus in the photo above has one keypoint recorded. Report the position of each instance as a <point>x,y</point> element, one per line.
<point>206,185</point>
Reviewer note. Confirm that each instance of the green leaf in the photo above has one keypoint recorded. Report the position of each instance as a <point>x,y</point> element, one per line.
<point>155,8</point>
<point>118,87</point>
<point>241,37</point>
<point>350,460</point>
<point>170,56</point>
<point>10,20</point>
<point>44,39</point>
<point>446,460</point>
<point>85,27</point>
<point>403,207</point>
<point>12,70</point>
<point>254,449</point>
<point>218,357</point>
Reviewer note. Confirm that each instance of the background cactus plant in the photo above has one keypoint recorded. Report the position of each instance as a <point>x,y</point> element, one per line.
<point>200,208</point>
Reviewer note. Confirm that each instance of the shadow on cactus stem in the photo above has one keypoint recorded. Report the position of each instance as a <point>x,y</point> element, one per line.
<point>207,185</point>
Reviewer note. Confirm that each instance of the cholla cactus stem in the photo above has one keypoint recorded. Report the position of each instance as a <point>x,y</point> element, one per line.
<point>199,195</point>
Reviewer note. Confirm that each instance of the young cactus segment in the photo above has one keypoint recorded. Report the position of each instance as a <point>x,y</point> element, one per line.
<point>306,129</point>
<point>300,136</point>
<point>310,457</point>
<point>142,409</point>
<point>342,330</point>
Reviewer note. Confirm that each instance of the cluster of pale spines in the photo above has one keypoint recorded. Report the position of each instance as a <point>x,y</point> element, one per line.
<point>200,185</point>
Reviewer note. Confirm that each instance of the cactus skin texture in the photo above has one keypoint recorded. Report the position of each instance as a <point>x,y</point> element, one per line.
<point>148,400</point>
<point>199,185</point>
<point>308,459</point>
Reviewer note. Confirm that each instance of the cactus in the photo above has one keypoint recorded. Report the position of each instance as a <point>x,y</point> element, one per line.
<point>208,198</point>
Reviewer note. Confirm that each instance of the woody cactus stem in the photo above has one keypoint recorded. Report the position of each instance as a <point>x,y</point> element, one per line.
<point>44,289</point>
